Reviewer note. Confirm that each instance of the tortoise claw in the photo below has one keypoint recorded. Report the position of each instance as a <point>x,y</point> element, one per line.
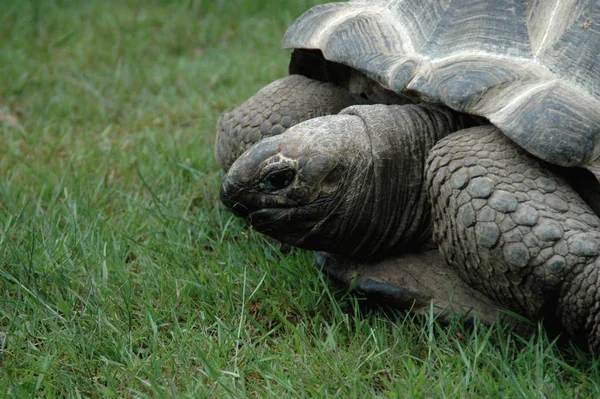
<point>399,297</point>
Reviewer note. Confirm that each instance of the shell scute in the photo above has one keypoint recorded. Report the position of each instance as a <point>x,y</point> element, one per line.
<point>530,67</point>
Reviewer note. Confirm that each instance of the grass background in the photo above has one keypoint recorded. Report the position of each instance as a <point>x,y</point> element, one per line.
<point>122,276</point>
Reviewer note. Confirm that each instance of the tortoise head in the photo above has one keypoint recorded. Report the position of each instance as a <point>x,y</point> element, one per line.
<point>294,186</point>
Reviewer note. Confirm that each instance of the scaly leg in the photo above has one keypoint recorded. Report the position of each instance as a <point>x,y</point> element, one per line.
<point>516,231</point>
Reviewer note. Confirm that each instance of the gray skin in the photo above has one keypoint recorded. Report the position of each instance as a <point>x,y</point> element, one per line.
<point>270,112</point>
<point>295,187</point>
<point>420,282</point>
<point>294,99</point>
<point>375,182</point>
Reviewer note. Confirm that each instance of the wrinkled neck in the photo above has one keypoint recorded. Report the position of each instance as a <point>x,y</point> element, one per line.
<point>391,211</point>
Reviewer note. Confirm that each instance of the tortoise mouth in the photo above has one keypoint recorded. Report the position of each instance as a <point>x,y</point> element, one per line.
<point>257,206</point>
<point>289,225</point>
<point>244,202</point>
<point>265,219</point>
<point>293,221</point>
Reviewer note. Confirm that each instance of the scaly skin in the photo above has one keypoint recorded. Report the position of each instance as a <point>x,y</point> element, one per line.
<point>274,109</point>
<point>515,230</point>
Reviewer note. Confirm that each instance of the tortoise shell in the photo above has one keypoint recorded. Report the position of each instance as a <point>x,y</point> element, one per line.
<point>531,67</point>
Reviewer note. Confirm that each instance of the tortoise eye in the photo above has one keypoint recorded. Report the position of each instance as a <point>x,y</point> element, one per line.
<point>278,179</point>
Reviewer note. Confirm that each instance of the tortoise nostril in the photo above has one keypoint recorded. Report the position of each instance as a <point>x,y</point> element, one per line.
<point>226,190</point>
<point>230,197</point>
<point>229,192</point>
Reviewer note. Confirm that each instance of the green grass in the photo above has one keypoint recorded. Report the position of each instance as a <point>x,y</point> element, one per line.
<point>121,274</point>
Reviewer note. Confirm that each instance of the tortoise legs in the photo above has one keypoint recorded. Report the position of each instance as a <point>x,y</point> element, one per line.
<point>516,231</point>
<point>417,282</point>
<point>275,108</point>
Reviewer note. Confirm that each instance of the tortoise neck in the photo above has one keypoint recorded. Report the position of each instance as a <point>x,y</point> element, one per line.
<point>393,213</point>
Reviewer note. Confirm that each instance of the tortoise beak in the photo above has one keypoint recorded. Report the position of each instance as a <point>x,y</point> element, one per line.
<point>231,193</point>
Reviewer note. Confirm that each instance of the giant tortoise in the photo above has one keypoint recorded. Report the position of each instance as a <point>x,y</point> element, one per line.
<point>471,126</point>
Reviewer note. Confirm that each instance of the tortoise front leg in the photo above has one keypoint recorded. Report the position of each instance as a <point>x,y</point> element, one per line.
<point>275,108</point>
<point>418,282</point>
<point>516,231</point>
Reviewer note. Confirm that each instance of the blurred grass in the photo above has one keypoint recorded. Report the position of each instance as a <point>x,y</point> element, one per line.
<point>121,274</point>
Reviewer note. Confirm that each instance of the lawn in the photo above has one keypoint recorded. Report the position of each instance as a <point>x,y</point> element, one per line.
<point>121,274</point>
